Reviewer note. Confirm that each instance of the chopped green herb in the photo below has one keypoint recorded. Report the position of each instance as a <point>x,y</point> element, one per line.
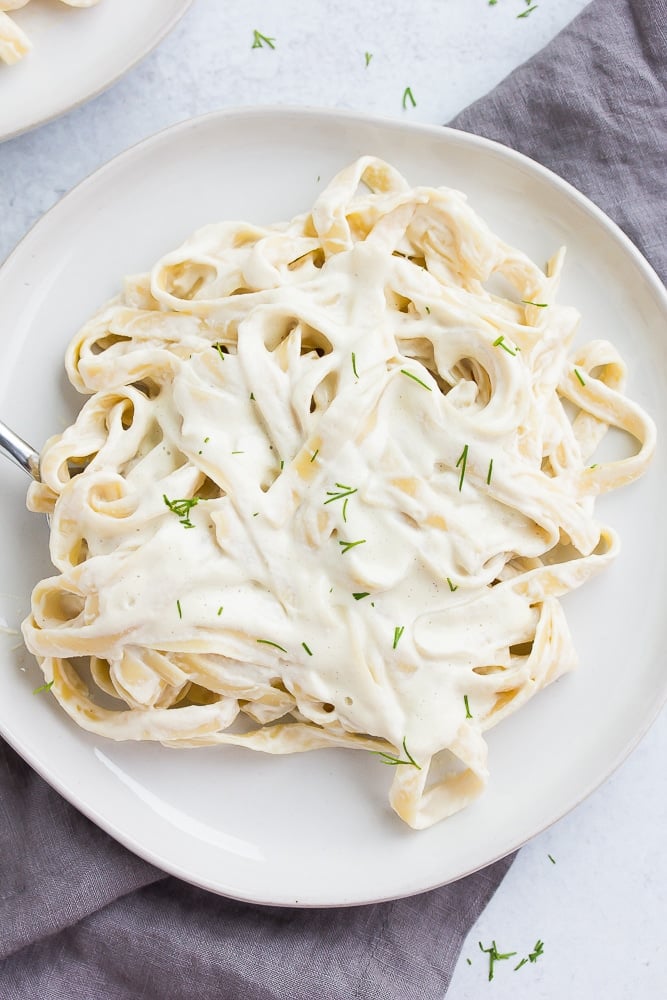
<point>354,365</point>
<point>307,649</point>
<point>427,310</point>
<point>206,440</point>
<point>408,96</point>
<point>220,610</point>
<point>342,493</point>
<point>368,56</point>
<point>398,632</point>
<point>238,453</point>
<point>267,642</point>
<point>388,758</point>
<point>465,702</point>
<point>500,342</point>
<point>259,40</point>
<point>180,612</point>
<point>533,956</point>
<point>415,379</point>
<point>252,396</point>
<point>182,509</point>
<point>463,461</point>
<point>530,10</point>
<point>282,464</point>
<point>467,959</point>
<point>578,374</point>
<point>218,348</point>
<point>537,951</point>
<point>490,473</point>
<point>314,455</point>
<point>452,586</point>
<point>494,956</point>
<point>345,503</point>
<point>360,596</point>
<point>539,305</point>
<point>346,546</point>
<point>551,859</point>
<point>43,687</point>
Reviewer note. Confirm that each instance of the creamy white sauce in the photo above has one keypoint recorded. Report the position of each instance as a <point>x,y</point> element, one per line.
<point>381,426</point>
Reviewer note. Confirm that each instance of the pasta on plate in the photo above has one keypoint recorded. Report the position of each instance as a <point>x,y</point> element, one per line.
<point>14,43</point>
<point>331,481</point>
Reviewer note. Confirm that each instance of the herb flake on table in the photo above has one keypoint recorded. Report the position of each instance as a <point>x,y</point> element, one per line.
<point>494,956</point>
<point>43,687</point>
<point>259,40</point>
<point>537,952</point>
<point>368,56</point>
<point>408,96</point>
<point>528,11</point>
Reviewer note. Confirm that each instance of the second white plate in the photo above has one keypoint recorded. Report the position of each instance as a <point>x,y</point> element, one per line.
<point>315,829</point>
<point>76,54</point>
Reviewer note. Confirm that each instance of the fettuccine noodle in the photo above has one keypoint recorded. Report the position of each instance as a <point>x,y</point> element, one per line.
<point>330,483</point>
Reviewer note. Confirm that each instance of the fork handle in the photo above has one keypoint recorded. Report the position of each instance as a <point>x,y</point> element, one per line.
<point>19,451</point>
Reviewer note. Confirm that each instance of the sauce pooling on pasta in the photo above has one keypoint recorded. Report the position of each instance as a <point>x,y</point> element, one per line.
<point>328,480</point>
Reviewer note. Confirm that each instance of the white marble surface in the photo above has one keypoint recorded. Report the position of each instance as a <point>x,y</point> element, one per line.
<point>601,908</point>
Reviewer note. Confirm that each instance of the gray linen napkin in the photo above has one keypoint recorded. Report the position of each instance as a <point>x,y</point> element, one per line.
<point>83,919</point>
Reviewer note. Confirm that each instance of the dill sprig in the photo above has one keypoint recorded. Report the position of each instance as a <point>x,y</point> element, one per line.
<point>533,956</point>
<point>452,586</point>
<point>465,702</point>
<point>579,376</point>
<point>354,365</point>
<point>268,642</point>
<point>307,648</point>
<point>490,473</point>
<point>398,632</point>
<point>462,462</point>
<point>388,758</point>
<point>368,56</point>
<point>494,956</point>
<point>260,40</point>
<point>500,342</point>
<point>179,609</point>
<point>404,371</point>
<point>538,305</point>
<point>182,509</point>
<point>408,96</point>
<point>346,546</point>
<point>360,596</point>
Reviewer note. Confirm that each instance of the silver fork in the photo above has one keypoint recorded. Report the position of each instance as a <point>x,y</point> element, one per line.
<point>20,452</point>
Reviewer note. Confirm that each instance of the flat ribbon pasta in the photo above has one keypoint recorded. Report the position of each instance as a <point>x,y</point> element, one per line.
<point>328,488</point>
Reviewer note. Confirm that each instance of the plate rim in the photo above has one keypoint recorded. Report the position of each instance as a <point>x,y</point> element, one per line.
<point>126,66</point>
<point>154,856</point>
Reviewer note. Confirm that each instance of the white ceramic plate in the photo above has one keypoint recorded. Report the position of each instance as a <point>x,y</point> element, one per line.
<point>76,54</point>
<point>316,828</point>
